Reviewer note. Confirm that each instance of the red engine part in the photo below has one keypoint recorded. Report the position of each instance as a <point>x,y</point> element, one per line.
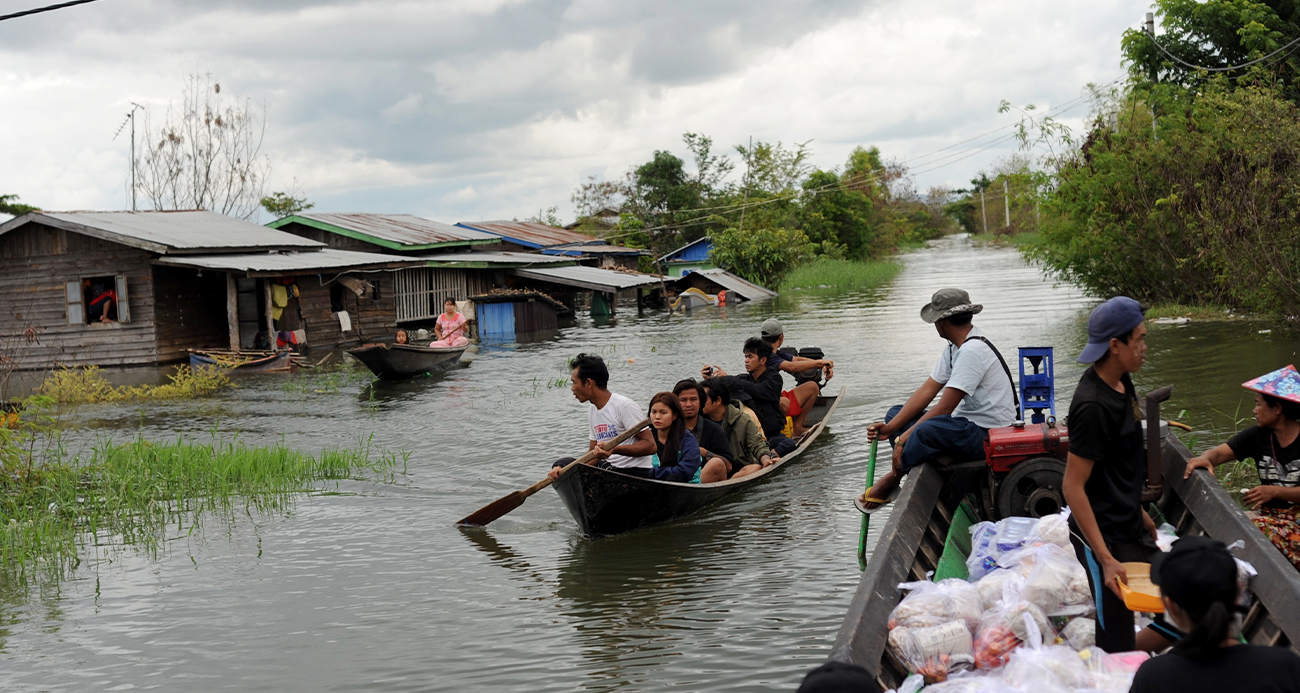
<point>1008,446</point>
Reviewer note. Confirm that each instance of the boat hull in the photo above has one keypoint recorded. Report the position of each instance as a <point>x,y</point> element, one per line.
<point>395,361</point>
<point>276,363</point>
<point>604,502</point>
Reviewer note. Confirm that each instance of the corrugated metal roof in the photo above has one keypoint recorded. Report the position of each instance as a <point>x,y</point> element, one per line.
<point>575,249</point>
<point>396,231</point>
<point>592,278</point>
<point>288,263</point>
<point>745,289</point>
<point>504,259</point>
<point>169,232</point>
<point>527,233</point>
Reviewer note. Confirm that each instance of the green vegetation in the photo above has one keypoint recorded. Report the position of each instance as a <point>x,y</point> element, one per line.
<point>9,204</point>
<point>840,275</point>
<point>763,256</point>
<point>54,508</point>
<point>89,386</point>
<point>1199,313</point>
<point>280,204</point>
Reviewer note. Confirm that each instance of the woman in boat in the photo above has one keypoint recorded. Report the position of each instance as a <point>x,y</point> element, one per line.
<point>451,327</point>
<point>678,456</point>
<point>1198,582</point>
<point>1274,444</point>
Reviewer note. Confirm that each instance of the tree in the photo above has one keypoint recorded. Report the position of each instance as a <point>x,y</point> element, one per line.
<point>9,204</point>
<point>837,215</point>
<point>549,216</point>
<point>280,204</point>
<point>207,153</point>
<point>763,256</point>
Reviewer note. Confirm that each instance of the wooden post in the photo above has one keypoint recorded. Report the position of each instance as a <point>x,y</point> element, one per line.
<point>1006,202</point>
<point>270,322</point>
<point>984,212</point>
<point>232,310</point>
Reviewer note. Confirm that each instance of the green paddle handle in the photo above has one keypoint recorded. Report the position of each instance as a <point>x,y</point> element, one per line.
<point>866,519</point>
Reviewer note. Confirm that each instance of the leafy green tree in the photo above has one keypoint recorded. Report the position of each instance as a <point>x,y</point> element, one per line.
<point>838,215</point>
<point>280,204</point>
<point>9,204</point>
<point>763,256</point>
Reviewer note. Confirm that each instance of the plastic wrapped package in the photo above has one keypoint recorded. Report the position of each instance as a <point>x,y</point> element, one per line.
<point>1053,669</point>
<point>983,552</point>
<point>992,586</point>
<point>933,651</point>
<point>911,684</point>
<point>1013,532</point>
<point>993,644</point>
<point>1081,633</point>
<point>972,682</point>
<point>930,604</point>
<point>1052,529</point>
<point>1166,535</point>
<point>1010,622</point>
<point>1112,672</point>
<point>1054,580</point>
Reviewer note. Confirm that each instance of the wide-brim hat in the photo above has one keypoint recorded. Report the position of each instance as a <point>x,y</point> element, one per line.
<point>1283,383</point>
<point>947,303</point>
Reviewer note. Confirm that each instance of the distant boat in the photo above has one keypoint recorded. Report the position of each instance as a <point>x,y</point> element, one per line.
<point>395,361</point>
<point>278,362</point>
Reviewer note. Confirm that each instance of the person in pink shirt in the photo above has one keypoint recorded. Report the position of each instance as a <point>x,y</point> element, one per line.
<point>451,327</point>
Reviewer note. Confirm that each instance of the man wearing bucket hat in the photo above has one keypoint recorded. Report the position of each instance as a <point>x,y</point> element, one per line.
<point>977,394</point>
<point>1274,443</point>
<point>1105,472</point>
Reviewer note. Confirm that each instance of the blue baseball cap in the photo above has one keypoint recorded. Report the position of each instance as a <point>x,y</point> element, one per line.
<point>1114,318</point>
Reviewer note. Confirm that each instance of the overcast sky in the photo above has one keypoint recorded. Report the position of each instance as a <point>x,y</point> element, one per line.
<point>481,109</point>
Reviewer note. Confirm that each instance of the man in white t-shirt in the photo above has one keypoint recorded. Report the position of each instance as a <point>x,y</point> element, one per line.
<point>608,415</point>
<point>978,394</point>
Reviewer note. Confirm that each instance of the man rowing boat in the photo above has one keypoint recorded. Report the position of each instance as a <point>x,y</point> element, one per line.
<point>608,415</point>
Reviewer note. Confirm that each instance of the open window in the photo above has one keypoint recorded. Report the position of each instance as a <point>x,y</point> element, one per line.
<point>94,300</point>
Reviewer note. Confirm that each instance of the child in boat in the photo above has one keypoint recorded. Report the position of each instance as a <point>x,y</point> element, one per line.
<point>401,338</point>
<point>1198,580</point>
<point>451,327</point>
<point>678,453</point>
<point>1274,444</point>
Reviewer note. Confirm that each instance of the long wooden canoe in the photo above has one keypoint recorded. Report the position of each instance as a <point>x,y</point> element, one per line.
<point>913,541</point>
<point>605,502</point>
<point>278,362</point>
<point>393,361</point>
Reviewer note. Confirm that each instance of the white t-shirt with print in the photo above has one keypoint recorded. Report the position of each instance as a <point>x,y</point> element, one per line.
<point>975,370</point>
<point>619,414</point>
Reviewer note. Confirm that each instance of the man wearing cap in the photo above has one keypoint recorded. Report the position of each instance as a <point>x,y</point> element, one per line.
<point>795,402</point>
<point>1105,472</point>
<point>977,394</point>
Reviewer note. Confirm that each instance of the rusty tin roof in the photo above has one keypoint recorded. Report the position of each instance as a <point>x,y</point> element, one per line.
<point>392,231</point>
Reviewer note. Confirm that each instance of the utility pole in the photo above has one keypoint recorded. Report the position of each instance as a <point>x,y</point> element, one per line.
<point>1006,202</point>
<point>984,211</point>
<point>745,203</point>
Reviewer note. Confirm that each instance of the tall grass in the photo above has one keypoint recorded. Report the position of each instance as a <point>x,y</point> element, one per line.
<point>53,510</point>
<point>89,386</point>
<point>840,275</point>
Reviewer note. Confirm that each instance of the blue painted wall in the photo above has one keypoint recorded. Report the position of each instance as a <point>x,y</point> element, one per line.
<point>696,252</point>
<point>496,322</point>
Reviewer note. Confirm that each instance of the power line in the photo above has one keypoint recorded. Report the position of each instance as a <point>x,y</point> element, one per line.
<point>47,8</point>
<point>1229,68</point>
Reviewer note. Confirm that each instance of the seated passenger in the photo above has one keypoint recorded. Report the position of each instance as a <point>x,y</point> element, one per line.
<point>796,401</point>
<point>714,448</point>
<point>1198,581</point>
<point>401,338</point>
<point>977,394</point>
<point>763,385</point>
<point>451,327</point>
<point>678,454</point>
<point>749,451</point>
<point>1274,443</point>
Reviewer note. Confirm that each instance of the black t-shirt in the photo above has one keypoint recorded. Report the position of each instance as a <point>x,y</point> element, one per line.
<point>1277,464</point>
<point>1104,428</point>
<point>765,397</point>
<point>712,438</point>
<point>1239,669</point>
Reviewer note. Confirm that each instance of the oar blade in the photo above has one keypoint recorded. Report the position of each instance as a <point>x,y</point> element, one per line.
<point>494,510</point>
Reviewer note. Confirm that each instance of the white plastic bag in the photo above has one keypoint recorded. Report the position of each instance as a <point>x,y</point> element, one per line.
<point>1054,580</point>
<point>1166,535</point>
<point>911,684</point>
<point>1112,672</point>
<point>1051,529</point>
<point>933,651</point>
<point>971,682</point>
<point>1054,669</point>
<point>983,552</point>
<point>931,603</point>
<point>992,586</point>
<point>1081,633</point>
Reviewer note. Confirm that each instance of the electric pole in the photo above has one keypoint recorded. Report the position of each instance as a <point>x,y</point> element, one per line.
<point>1006,202</point>
<point>1153,71</point>
<point>984,211</point>
<point>130,116</point>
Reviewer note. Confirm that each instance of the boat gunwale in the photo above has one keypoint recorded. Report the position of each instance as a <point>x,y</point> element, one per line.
<point>405,347</point>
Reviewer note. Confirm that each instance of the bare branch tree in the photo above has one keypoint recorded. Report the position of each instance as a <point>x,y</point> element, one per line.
<point>207,154</point>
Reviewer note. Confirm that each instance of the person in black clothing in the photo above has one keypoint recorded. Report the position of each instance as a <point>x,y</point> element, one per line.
<point>1198,581</point>
<point>763,385</point>
<point>714,449</point>
<point>1105,472</point>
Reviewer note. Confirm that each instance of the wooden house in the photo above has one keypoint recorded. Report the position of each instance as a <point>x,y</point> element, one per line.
<point>529,236</point>
<point>130,288</point>
<point>688,258</point>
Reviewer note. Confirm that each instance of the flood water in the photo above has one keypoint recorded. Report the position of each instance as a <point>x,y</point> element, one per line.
<point>372,588</point>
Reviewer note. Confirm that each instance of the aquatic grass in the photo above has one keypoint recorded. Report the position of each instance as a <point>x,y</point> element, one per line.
<point>89,386</point>
<point>840,275</point>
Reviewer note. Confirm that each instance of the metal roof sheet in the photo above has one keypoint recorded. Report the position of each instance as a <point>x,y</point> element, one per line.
<point>290,262</point>
<point>743,288</point>
<point>169,232</point>
<point>592,278</point>
<point>528,233</point>
<point>504,259</point>
<point>575,249</point>
<point>396,231</point>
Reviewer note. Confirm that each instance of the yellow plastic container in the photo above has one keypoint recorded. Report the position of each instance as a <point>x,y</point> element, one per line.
<point>1140,594</point>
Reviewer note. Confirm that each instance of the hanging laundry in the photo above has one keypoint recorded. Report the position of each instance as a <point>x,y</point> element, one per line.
<point>300,337</point>
<point>279,299</point>
<point>345,322</point>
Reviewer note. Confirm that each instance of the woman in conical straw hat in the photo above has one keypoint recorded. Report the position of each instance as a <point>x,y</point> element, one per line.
<point>1274,444</point>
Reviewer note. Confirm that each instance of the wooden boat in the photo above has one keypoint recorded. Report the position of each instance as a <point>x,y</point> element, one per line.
<point>605,502</point>
<point>916,540</point>
<point>393,361</point>
<point>279,362</point>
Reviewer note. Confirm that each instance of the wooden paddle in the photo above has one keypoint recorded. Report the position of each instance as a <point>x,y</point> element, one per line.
<point>499,507</point>
<point>866,519</point>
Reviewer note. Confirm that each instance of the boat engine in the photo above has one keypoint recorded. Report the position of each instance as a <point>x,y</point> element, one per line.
<point>1027,459</point>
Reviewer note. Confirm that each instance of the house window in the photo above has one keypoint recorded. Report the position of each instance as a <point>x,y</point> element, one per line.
<point>94,300</point>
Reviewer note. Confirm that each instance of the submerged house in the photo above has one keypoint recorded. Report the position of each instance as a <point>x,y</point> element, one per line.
<point>688,258</point>
<point>131,288</point>
<point>529,236</point>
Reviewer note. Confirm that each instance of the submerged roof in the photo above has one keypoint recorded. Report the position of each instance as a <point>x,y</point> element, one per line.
<point>592,278</point>
<point>493,259</point>
<point>745,289</point>
<point>393,231</point>
<point>527,233</point>
<point>289,263</point>
<point>166,233</point>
